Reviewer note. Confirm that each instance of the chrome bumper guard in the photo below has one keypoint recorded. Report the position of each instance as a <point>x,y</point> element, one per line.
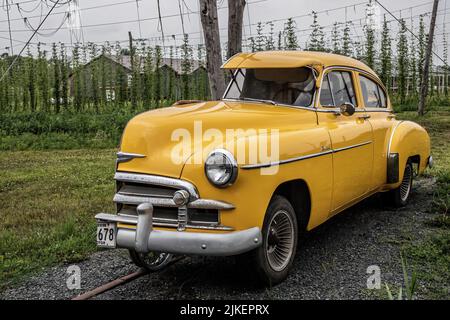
<point>145,239</point>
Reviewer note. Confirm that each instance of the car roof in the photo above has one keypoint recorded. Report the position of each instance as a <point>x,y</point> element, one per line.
<point>292,59</point>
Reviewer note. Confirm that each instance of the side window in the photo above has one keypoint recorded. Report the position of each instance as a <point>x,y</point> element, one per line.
<point>326,99</point>
<point>382,97</point>
<point>337,89</point>
<point>373,94</point>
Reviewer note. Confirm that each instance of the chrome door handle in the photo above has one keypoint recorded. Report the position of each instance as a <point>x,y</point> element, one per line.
<point>366,116</point>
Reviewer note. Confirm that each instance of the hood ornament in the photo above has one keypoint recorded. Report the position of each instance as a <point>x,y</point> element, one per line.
<point>125,157</point>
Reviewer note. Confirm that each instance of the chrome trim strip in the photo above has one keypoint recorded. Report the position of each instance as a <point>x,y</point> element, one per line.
<point>173,223</point>
<point>160,222</point>
<point>264,165</point>
<point>351,147</point>
<point>390,139</point>
<point>166,202</point>
<point>313,155</point>
<point>159,181</point>
<point>125,156</point>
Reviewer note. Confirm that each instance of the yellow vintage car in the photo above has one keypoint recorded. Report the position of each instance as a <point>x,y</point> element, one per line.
<point>297,138</point>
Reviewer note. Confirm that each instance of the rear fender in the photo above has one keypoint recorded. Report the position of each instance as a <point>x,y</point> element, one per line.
<point>408,140</point>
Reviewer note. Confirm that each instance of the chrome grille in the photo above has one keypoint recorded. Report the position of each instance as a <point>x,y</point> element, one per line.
<point>163,216</point>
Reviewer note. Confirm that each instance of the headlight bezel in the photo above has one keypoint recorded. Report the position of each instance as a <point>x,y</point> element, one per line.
<point>233,166</point>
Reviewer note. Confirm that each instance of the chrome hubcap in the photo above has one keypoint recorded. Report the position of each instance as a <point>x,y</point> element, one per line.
<point>280,240</point>
<point>405,187</point>
<point>156,260</point>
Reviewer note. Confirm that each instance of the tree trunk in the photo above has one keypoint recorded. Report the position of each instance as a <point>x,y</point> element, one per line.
<point>426,67</point>
<point>210,25</point>
<point>235,19</point>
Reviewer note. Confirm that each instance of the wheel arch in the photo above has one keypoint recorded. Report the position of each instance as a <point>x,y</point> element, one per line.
<point>298,194</point>
<point>409,141</point>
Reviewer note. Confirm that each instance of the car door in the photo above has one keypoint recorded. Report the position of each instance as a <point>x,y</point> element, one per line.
<point>351,138</point>
<point>376,103</point>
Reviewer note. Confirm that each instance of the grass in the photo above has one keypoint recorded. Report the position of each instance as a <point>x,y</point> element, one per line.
<point>431,256</point>
<point>47,202</point>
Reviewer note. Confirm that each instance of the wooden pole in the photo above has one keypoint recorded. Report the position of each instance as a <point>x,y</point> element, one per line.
<point>235,19</point>
<point>210,25</point>
<point>426,67</point>
<point>133,73</point>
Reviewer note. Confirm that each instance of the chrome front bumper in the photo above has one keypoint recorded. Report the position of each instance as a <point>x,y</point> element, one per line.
<point>145,239</point>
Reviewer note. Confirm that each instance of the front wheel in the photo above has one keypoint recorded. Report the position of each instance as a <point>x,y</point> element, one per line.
<point>274,258</point>
<point>400,196</point>
<point>152,261</point>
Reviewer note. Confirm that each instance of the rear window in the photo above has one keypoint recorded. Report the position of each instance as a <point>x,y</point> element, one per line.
<point>373,95</point>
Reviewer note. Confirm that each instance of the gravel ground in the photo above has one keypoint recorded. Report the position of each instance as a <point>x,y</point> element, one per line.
<point>331,263</point>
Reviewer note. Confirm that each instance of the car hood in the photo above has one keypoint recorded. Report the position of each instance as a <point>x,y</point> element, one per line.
<point>157,134</point>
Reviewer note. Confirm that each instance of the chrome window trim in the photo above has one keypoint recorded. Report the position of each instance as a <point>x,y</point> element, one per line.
<point>362,109</point>
<point>312,155</point>
<point>159,181</point>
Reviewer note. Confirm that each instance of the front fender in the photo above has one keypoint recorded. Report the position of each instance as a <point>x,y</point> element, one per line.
<point>408,139</point>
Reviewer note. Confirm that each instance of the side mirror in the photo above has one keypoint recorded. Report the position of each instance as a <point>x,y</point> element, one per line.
<point>347,109</point>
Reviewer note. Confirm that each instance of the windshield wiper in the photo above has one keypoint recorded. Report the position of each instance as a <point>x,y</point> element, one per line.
<point>259,100</point>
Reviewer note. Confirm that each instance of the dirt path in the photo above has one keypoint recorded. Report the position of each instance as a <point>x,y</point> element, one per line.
<point>331,263</point>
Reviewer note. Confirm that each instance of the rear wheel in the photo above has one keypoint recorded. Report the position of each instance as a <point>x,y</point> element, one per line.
<point>274,258</point>
<point>400,196</point>
<point>152,261</point>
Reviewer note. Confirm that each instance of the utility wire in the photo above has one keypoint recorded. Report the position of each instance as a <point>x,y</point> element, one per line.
<point>81,9</point>
<point>415,36</point>
<point>29,40</point>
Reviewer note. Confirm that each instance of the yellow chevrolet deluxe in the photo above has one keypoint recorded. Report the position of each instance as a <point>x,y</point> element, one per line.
<point>297,138</point>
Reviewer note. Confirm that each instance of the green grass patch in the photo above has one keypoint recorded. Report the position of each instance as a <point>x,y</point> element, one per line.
<point>47,203</point>
<point>431,256</point>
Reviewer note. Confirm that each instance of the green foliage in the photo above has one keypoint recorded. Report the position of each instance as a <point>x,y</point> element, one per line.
<point>290,37</point>
<point>99,78</point>
<point>260,38</point>
<point>386,55</point>
<point>402,62</point>
<point>346,41</point>
<point>370,44</point>
<point>270,41</point>
<point>316,38</point>
<point>186,66</point>
<point>335,39</point>
<point>410,284</point>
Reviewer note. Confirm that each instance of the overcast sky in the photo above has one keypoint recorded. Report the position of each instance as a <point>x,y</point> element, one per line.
<point>256,10</point>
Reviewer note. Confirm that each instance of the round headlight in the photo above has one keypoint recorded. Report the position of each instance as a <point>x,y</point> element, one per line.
<point>221,168</point>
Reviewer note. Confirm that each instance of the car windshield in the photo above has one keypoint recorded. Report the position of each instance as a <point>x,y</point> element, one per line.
<point>293,86</point>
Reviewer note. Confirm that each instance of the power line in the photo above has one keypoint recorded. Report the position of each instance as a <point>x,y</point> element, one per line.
<point>29,40</point>
<point>81,9</point>
<point>415,36</point>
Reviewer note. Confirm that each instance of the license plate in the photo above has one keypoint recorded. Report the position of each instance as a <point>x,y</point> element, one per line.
<point>106,234</point>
